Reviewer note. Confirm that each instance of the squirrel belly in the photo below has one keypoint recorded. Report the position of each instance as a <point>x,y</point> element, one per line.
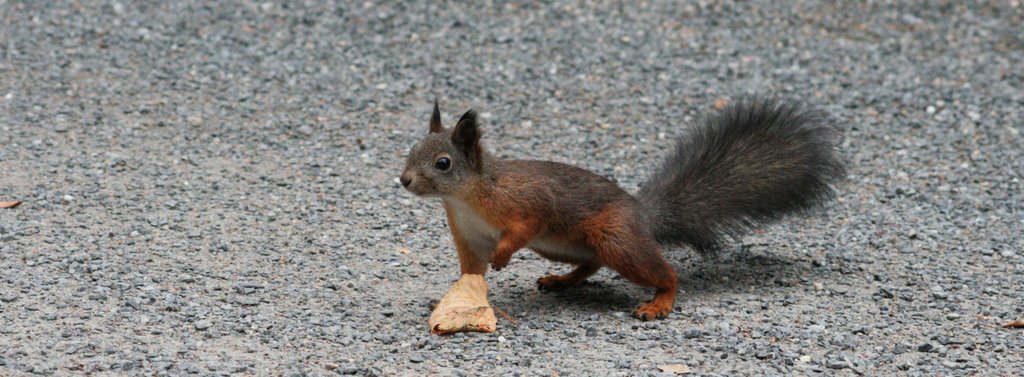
<point>483,214</point>
<point>484,237</point>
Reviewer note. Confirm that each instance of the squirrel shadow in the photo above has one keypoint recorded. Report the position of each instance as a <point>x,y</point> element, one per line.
<point>698,276</point>
<point>741,270</point>
<point>597,296</point>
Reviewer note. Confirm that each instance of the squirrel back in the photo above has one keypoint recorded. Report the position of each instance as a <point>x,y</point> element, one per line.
<point>756,161</point>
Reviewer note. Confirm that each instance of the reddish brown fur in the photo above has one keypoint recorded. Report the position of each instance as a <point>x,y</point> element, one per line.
<point>625,249</point>
<point>574,277</point>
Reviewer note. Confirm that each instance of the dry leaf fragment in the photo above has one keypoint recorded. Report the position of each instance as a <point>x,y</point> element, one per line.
<point>721,103</point>
<point>464,308</point>
<point>675,368</point>
<point>1015,324</point>
<point>10,204</point>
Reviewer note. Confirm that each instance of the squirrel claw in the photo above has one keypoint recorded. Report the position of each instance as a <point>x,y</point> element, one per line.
<point>650,311</point>
<point>499,261</point>
<point>498,265</point>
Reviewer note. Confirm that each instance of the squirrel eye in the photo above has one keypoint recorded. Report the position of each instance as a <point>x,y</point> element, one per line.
<point>443,163</point>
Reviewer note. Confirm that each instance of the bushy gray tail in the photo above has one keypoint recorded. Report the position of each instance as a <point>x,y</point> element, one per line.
<point>749,164</point>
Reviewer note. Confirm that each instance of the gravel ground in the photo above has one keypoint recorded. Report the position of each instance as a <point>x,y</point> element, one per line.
<point>212,188</point>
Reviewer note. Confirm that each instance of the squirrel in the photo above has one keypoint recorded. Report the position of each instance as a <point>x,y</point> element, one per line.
<point>753,162</point>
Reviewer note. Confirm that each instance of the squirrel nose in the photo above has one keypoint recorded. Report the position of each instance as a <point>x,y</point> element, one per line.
<point>406,179</point>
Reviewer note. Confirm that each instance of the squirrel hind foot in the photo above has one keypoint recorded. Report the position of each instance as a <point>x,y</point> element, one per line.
<point>554,283</point>
<point>573,278</point>
<point>652,310</point>
<point>658,308</point>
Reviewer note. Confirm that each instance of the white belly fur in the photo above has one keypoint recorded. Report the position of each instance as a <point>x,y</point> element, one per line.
<point>483,237</point>
<point>561,252</point>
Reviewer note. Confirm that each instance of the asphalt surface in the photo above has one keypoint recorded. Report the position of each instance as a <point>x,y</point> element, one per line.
<point>212,188</point>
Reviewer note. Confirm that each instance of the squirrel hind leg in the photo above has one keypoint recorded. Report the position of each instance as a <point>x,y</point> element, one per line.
<point>637,258</point>
<point>575,277</point>
<point>646,267</point>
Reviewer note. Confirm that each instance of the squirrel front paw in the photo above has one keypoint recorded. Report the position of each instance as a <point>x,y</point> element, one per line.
<point>500,260</point>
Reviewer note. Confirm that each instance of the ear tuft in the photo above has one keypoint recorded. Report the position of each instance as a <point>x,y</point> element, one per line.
<point>466,137</point>
<point>467,130</point>
<point>435,119</point>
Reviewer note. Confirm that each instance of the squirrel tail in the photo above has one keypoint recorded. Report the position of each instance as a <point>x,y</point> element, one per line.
<point>756,161</point>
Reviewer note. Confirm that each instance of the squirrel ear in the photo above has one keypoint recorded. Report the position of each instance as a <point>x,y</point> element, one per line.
<point>467,137</point>
<point>435,119</point>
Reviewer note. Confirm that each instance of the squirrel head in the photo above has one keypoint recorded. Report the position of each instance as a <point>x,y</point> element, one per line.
<point>446,159</point>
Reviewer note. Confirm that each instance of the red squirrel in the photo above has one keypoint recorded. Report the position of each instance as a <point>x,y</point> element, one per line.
<point>753,162</point>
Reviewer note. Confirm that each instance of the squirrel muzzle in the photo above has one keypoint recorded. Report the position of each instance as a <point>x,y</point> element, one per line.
<point>414,182</point>
<point>406,179</point>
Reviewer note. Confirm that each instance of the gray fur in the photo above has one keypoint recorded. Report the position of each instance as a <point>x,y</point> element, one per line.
<point>754,162</point>
<point>461,144</point>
